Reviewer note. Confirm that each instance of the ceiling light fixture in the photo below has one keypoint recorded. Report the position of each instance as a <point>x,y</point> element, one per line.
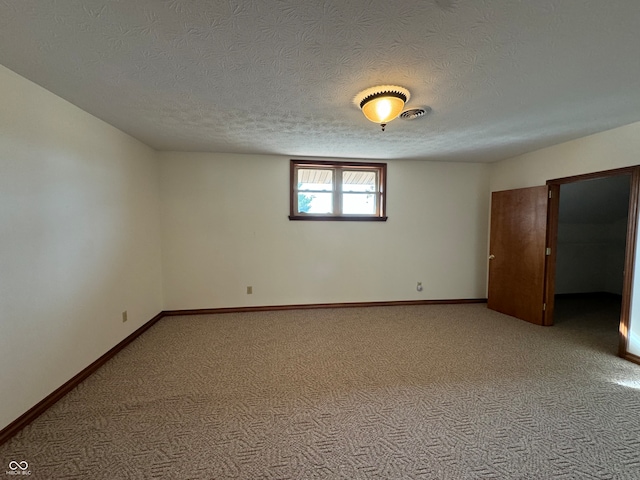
<point>383,103</point>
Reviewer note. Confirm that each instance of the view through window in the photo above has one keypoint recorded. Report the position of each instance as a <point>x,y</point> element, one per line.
<point>337,190</point>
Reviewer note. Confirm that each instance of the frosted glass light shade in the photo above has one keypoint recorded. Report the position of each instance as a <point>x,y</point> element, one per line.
<point>382,104</point>
<point>383,109</point>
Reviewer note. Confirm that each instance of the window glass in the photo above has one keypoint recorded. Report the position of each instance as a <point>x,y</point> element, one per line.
<point>358,181</point>
<point>317,202</point>
<point>358,204</point>
<point>315,180</point>
<point>325,190</point>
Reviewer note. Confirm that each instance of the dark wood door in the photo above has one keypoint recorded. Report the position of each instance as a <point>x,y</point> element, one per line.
<point>518,253</point>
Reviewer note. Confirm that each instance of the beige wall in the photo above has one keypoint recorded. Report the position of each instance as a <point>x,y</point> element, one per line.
<point>225,227</point>
<point>79,230</point>
<point>591,257</point>
<point>615,148</point>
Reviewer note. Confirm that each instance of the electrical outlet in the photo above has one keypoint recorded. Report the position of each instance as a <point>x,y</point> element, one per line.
<point>419,286</point>
<point>124,316</point>
<point>249,290</point>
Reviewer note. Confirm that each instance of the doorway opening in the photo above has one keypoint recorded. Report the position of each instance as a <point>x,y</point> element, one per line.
<point>590,256</point>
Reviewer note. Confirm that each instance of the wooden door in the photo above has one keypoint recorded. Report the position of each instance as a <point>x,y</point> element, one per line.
<point>518,253</point>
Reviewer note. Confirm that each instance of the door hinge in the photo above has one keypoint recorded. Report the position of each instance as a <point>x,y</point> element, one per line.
<point>549,193</point>
<point>544,307</point>
<point>548,251</point>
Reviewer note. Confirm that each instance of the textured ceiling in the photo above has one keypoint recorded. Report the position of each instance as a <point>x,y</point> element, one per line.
<point>272,76</point>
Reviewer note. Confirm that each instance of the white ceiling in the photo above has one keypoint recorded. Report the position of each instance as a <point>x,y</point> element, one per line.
<point>274,76</point>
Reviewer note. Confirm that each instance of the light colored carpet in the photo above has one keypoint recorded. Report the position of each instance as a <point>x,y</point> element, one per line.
<point>424,392</point>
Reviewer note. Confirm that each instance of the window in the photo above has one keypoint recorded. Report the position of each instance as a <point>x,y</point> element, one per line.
<point>323,190</point>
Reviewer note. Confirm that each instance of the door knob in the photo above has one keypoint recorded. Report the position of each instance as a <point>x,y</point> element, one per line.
<point>491,257</point>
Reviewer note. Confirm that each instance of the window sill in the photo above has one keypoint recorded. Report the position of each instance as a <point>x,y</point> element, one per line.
<point>338,218</point>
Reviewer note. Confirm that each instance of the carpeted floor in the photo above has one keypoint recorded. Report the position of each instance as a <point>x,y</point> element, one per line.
<point>424,392</point>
